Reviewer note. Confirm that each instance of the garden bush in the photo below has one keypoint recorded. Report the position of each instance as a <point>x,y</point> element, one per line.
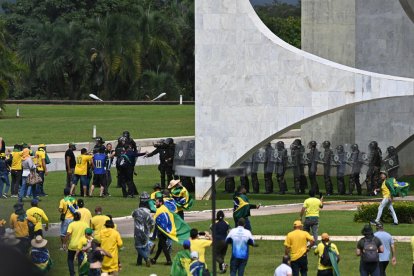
<point>404,211</point>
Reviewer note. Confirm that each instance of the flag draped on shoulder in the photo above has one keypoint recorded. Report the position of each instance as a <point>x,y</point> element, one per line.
<point>182,198</point>
<point>172,225</point>
<point>241,208</point>
<point>397,188</point>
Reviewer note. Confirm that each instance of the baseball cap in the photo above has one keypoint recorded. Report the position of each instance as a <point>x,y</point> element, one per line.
<point>324,236</point>
<point>35,201</point>
<point>42,145</point>
<point>187,244</point>
<point>194,255</point>
<point>88,231</point>
<point>297,223</point>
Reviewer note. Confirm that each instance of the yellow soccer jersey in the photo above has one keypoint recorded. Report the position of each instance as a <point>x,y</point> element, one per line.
<point>82,162</point>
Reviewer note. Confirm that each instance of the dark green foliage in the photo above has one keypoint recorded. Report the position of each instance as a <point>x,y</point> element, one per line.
<point>284,20</point>
<point>117,49</point>
<point>368,212</point>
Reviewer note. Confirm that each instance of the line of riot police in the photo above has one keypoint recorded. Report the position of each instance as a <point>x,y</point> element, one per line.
<point>343,160</point>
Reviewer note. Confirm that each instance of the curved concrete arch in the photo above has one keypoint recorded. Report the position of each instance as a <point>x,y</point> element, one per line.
<point>408,6</point>
<point>251,85</point>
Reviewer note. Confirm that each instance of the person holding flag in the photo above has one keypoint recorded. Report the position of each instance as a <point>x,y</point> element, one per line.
<point>241,208</point>
<point>171,226</point>
<point>328,257</point>
<point>181,196</point>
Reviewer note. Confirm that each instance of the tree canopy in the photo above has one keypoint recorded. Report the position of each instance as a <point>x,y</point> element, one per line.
<point>117,49</point>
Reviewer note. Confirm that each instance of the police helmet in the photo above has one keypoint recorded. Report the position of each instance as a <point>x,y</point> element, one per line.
<point>391,150</point>
<point>312,144</point>
<point>340,148</point>
<point>354,147</point>
<point>126,134</point>
<point>280,145</point>
<point>326,144</point>
<point>297,142</point>
<point>373,145</point>
<point>169,141</point>
<point>99,139</point>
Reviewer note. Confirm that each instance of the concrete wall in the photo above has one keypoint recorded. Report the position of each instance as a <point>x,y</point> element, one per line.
<point>382,39</point>
<point>328,31</point>
<point>251,86</point>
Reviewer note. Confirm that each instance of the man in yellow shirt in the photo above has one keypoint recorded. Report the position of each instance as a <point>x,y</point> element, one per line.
<point>200,245</point>
<point>16,170</point>
<point>40,216</point>
<point>98,221</point>
<point>111,242</point>
<point>81,171</point>
<point>325,270</point>
<point>311,208</point>
<point>40,156</point>
<point>86,215</point>
<point>67,207</point>
<point>386,200</point>
<point>296,245</point>
<point>76,231</point>
<point>19,222</point>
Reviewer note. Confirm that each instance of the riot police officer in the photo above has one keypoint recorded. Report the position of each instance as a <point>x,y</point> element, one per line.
<point>303,163</point>
<point>258,158</point>
<point>296,163</point>
<point>340,160</point>
<point>355,163</point>
<point>165,149</point>
<point>269,167</point>
<point>391,162</point>
<point>281,165</point>
<point>374,165</point>
<point>129,142</point>
<point>326,161</point>
<point>99,143</point>
<point>313,156</point>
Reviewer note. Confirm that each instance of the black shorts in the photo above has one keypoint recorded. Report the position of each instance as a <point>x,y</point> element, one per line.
<point>99,180</point>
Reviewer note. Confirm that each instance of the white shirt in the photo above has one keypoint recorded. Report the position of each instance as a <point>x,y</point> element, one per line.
<point>283,270</point>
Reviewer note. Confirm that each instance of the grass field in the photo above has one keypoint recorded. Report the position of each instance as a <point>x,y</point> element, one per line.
<point>147,176</point>
<point>64,123</point>
<point>262,261</point>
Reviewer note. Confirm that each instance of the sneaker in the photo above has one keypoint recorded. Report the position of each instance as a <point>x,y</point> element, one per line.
<point>4,196</point>
<point>374,222</point>
<point>14,196</point>
<point>395,224</point>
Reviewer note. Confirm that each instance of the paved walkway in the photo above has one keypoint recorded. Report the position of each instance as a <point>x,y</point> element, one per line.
<point>125,224</point>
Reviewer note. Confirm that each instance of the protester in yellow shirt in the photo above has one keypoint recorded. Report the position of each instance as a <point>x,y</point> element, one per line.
<point>324,270</point>
<point>67,207</point>
<point>98,221</point>
<point>19,222</point>
<point>40,216</point>
<point>40,156</point>
<point>311,208</point>
<point>76,230</point>
<point>81,171</point>
<point>16,170</point>
<point>111,242</point>
<point>86,215</point>
<point>296,245</point>
<point>386,200</point>
<point>200,245</point>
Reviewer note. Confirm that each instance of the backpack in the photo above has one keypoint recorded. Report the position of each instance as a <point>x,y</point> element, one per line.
<point>325,259</point>
<point>370,251</point>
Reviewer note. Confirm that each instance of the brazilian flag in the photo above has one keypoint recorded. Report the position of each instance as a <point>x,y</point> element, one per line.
<point>397,188</point>
<point>172,225</point>
<point>334,261</point>
<point>241,207</point>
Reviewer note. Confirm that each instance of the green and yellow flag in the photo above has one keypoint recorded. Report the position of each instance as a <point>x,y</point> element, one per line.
<point>172,225</point>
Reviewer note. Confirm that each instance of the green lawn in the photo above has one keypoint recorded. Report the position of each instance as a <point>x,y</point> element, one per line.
<point>64,123</point>
<point>262,261</point>
<point>147,176</point>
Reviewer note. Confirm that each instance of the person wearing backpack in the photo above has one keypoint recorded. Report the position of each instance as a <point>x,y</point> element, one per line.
<point>325,250</point>
<point>369,248</point>
<point>386,200</point>
<point>389,248</point>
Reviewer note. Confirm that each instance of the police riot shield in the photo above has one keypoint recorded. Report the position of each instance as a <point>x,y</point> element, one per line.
<point>180,154</point>
<point>391,162</point>
<point>270,162</point>
<point>190,161</point>
<point>247,164</point>
<point>258,160</point>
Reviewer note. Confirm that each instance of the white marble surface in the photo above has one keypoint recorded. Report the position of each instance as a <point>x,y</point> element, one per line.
<point>251,86</point>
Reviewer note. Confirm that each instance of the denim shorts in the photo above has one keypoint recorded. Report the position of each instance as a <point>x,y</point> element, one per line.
<point>83,179</point>
<point>64,227</point>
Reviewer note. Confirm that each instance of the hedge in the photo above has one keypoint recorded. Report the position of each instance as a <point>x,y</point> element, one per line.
<point>403,209</point>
